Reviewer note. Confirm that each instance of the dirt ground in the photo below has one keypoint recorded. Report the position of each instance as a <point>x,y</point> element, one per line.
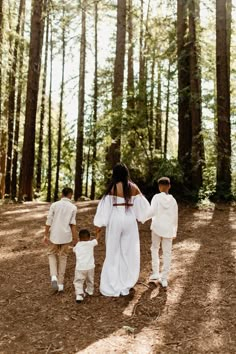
<point>197,314</point>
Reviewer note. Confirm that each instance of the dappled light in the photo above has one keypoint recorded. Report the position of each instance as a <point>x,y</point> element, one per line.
<point>197,305</point>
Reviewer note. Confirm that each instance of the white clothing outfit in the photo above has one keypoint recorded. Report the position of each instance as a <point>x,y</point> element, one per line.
<point>82,276</point>
<point>121,267</point>
<point>84,269</point>
<point>164,211</point>
<point>61,215</point>
<point>166,244</point>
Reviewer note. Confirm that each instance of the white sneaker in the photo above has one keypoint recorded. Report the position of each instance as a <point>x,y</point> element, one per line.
<point>164,283</point>
<point>154,276</point>
<point>54,282</point>
<point>89,292</point>
<point>124,292</point>
<point>79,298</point>
<point>60,287</point>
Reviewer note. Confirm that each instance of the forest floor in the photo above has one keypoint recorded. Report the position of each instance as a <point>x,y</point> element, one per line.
<point>197,314</point>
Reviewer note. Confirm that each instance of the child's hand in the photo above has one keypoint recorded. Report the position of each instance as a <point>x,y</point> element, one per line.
<point>46,240</point>
<point>98,233</point>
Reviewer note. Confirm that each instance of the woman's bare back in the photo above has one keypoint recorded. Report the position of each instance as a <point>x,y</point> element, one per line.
<point>119,188</point>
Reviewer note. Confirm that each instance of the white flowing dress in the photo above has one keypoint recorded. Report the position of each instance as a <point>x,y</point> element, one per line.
<point>121,267</point>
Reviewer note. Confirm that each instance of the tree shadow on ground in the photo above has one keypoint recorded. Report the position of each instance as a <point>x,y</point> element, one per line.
<point>204,319</point>
<point>36,320</point>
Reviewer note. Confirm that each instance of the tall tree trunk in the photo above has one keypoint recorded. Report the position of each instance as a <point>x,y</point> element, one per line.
<point>114,152</point>
<point>35,51</point>
<point>42,112</point>
<point>11,101</point>
<point>184,115</point>
<point>18,109</point>
<point>2,134</point>
<point>59,138</point>
<point>223,33</point>
<point>195,99</point>
<point>1,40</point>
<point>158,135</point>
<point>5,106</point>
<point>80,128</point>
<point>167,110</point>
<point>49,173</point>
<point>95,102</point>
<point>88,166</point>
<point>151,108</point>
<point>130,80</point>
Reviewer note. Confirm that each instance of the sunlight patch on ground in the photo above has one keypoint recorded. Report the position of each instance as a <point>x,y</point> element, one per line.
<point>10,232</point>
<point>202,218</point>
<point>117,342</point>
<point>7,253</point>
<point>214,292</point>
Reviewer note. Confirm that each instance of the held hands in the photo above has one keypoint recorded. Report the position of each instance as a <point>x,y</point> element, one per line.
<point>98,233</point>
<point>46,239</point>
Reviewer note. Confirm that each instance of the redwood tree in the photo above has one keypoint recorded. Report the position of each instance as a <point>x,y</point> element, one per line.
<point>95,102</point>
<point>35,51</point>
<point>80,126</point>
<point>11,101</point>
<point>59,136</point>
<point>223,29</point>
<point>184,114</point>
<point>117,92</point>
<point>197,157</point>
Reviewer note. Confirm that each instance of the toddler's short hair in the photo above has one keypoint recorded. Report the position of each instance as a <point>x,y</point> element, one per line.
<point>84,233</point>
<point>66,191</point>
<point>164,181</point>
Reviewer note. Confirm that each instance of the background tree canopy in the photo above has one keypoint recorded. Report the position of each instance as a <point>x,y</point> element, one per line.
<point>84,84</point>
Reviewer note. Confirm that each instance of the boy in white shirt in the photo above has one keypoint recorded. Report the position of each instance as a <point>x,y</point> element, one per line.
<point>164,226</point>
<point>84,270</point>
<point>61,224</point>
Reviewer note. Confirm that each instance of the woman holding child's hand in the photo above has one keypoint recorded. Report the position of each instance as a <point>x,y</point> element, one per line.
<point>120,208</point>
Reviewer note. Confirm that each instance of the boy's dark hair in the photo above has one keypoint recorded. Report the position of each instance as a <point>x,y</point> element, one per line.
<point>164,181</point>
<point>84,233</point>
<point>66,191</point>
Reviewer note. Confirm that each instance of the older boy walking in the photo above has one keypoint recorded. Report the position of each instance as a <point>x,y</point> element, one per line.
<point>61,225</point>
<point>164,226</point>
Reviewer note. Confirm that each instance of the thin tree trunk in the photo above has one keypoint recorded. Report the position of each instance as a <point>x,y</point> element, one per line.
<point>95,102</point>
<point>1,43</point>
<point>114,151</point>
<point>184,115</point>
<point>223,33</point>
<point>130,80</point>
<point>35,51</point>
<point>195,100</point>
<point>167,111</point>
<point>5,113</point>
<point>151,108</point>
<point>158,135</point>
<point>18,110</point>
<point>11,101</point>
<point>49,173</point>
<point>2,149</point>
<point>80,128</point>
<point>42,113</point>
<point>59,138</point>
<point>87,168</point>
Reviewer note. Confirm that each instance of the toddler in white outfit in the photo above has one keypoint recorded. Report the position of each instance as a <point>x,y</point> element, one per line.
<point>84,270</point>
<point>164,210</point>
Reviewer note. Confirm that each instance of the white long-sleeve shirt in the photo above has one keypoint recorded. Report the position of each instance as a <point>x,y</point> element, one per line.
<point>61,215</point>
<point>164,211</point>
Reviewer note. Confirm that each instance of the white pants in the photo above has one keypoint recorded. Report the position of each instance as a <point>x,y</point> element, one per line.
<point>166,245</point>
<point>82,276</point>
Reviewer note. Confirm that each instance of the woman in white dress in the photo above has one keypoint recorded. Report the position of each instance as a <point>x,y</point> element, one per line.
<point>121,207</point>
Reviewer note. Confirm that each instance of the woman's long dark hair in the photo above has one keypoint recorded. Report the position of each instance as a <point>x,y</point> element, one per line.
<point>120,174</point>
